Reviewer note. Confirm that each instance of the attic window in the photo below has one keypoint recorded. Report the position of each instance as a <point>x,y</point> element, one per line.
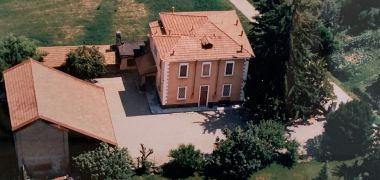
<point>206,42</point>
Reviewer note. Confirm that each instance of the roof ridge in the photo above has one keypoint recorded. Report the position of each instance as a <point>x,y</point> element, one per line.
<point>229,35</point>
<point>180,14</point>
<point>67,75</point>
<point>175,45</point>
<point>90,45</point>
<point>109,114</point>
<point>34,88</point>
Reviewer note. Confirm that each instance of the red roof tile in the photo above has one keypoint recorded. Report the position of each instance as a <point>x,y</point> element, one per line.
<point>184,31</point>
<point>35,91</point>
<point>57,54</point>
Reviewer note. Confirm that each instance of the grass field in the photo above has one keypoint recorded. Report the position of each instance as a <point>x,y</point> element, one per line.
<point>301,171</point>
<point>67,22</point>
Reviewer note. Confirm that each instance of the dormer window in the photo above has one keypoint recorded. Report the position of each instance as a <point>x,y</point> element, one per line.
<point>206,42</point>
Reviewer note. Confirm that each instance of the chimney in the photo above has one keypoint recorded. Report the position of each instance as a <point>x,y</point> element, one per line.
<point>237,22</point>
<point>173,9</point>
<point>241,34</point>
<point>241,49</point>
<point>118,38</point>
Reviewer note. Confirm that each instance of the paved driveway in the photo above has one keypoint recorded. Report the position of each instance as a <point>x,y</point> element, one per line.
<point>134,124</point>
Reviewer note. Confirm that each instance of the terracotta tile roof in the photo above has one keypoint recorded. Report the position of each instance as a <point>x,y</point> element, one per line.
<point>57,54</point>
<point>35,91</point>
<point>155,28</point>
<point>183,31</point>
<point>127,48</point>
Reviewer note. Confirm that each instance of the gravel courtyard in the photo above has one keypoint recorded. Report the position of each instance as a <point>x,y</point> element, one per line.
<point>134,124</point>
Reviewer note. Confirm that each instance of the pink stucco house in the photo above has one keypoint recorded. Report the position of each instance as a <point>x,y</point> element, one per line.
<point>201,57</point>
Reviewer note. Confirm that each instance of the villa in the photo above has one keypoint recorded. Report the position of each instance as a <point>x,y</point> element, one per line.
<point>201,58</point>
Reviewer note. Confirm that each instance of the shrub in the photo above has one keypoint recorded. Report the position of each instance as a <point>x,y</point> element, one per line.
<point>186,160</point>
<point>105,162</point>
<point>85,63</point>
<point>347,131</point>
<point>244,151</point>
<point>14,50</point>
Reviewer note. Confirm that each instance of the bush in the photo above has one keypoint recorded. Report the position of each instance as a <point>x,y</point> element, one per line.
<point>105,162</point>
<point>14,50</point>
<point>85,63</point>
<point>314,147</point>
<point>244,151</point>
<point>347,131</point>
<point>186,160</point>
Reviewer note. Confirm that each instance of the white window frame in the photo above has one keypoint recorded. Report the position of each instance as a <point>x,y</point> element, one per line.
<point>229,95</point>
<point>209,71</point>
<point>178,93</point>
<point>187,70</point>
<point>225,68</point>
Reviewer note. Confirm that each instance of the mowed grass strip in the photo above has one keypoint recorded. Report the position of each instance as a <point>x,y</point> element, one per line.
<point>73,22</point>
<point>67,22</point>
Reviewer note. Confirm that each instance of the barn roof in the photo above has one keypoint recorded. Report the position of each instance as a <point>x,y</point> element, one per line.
<point>56,55</point>
<point>35,91</point>
<point>180,36</point>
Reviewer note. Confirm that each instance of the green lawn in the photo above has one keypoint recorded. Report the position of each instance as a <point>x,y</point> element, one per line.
<point>65,22</point>
<point>301,171</point>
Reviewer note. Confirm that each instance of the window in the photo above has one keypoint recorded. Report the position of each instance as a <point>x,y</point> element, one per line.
<point>206,69</point>
<point>229,69</point>
<point>183,70</point>
<point>226,91</point>
<point>181,94</point>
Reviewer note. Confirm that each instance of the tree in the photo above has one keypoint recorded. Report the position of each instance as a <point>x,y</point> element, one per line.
<point>105,162</point>
<point>374,89</point>
<point>371,164</point>
<point>14,50</point>
<point>85,63</point>
<point>143,164</point>
<point>348,131</point>
<point>244,151</point>
<point>308,88</point>
<point>288,76</point>
<point>186,160</point>
<point>269,37</point>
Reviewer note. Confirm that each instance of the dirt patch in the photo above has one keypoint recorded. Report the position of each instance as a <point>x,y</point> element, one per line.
<point>355,58</point>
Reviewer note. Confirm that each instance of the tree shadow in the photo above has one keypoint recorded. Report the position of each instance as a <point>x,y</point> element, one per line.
<point>217,120</point>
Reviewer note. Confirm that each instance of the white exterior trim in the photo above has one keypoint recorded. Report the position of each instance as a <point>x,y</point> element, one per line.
<point>165,84</point>
<point>245,74</point>
<point>187,70</point>
<point>229,95</point>
<point>199,96</point>
<point>209,71</point>
<point>225,68</point>
<point>185,92</point>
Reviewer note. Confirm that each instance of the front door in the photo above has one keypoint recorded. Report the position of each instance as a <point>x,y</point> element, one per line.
<point>203,96</point>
